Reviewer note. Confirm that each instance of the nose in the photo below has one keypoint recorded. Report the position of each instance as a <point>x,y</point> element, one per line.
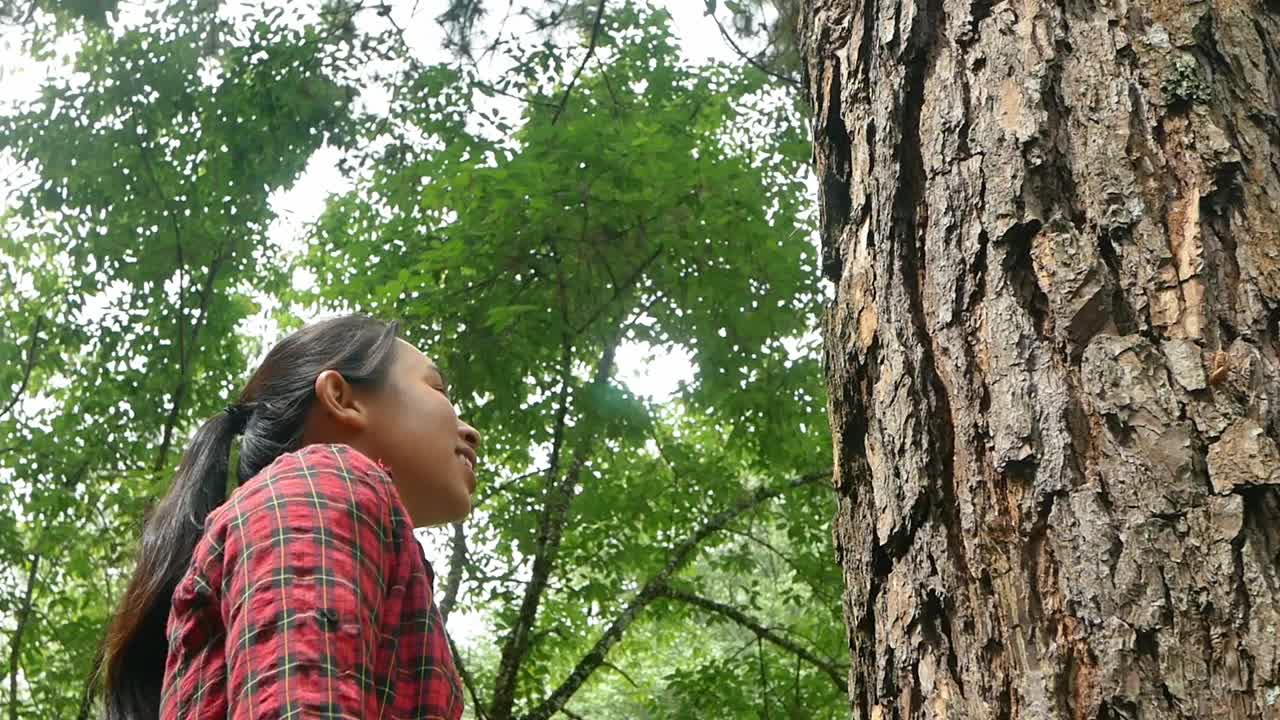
<point>470,435</point>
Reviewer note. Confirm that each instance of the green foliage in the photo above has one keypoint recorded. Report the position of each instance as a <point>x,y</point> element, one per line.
<point>638,205</point>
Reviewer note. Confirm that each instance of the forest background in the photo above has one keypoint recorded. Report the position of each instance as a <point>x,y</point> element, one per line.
<point>598,218</point>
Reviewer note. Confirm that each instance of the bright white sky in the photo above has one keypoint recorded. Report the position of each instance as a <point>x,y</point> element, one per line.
<point>646,372</point>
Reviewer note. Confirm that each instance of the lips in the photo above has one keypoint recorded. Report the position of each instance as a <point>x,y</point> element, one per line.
<point>468,457</point>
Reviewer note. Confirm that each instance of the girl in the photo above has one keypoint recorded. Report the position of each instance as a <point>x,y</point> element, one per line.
<point>304,593</point>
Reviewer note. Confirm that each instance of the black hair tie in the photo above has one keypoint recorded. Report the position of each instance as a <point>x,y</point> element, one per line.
<point>239,415</point>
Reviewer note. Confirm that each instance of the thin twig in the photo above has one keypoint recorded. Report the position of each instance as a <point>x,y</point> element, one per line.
<point>755,62</point>
<point>608,85</point>
<point>620,671</point>
<point>621,289</point>
<point>591,51</point>
<point>506,93</point>
<point>499,488</point>
<point>831,669</point>
<point>826,597</point>
<point>172,212</point>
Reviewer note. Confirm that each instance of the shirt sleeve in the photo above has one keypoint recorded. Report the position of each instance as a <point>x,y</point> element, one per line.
<point>306,563</point>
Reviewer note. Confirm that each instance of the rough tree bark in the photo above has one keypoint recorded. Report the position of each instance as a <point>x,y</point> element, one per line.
<point>1054,355</point>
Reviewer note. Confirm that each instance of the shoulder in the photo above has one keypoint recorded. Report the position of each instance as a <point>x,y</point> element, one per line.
<point>334,462</point>
<point>320,477</point>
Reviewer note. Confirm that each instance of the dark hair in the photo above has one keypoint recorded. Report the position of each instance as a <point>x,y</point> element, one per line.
<point>270,413</point>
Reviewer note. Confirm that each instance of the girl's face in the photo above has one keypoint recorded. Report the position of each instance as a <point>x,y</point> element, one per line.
<point>413,429</point>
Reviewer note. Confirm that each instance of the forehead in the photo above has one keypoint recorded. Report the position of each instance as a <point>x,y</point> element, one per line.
<point>413,360</point>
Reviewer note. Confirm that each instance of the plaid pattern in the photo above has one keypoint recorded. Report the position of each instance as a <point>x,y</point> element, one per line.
<point>308,597</point>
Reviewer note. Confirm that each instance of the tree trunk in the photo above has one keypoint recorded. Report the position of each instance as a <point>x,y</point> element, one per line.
<point>1054,356</point>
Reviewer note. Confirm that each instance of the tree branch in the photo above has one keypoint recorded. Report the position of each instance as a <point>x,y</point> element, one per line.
<point>172,213</point>
<point>516,642</point>
<point>654,587</point>
<point>622,289</point>
<point>467,680</point>
<point>487,87</point>
<point>30,365</point>
<point>550,530</point>
<point>559,493</point>
<point>764,676</point>
<point>620,671</point>
<point>752,60</point>
<point>86,703</point>
<point>179,393</point>
<point>175,409</point>
<point>821,592</point>
<point>608,85</point>
<point>498,489</point>
<point>15,643</point>
<point>456,560</point>
<point>24,614</point>
<point>591,51</point>
<point>836,673</point>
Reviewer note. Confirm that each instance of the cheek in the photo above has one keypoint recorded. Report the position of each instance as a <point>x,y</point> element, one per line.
<point>425,431</point>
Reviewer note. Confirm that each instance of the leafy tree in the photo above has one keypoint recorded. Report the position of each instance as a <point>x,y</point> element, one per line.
<point>129,263</point>
<point>632,556</point>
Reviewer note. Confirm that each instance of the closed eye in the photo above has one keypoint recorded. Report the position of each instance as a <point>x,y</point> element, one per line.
<point>442,389</point>
<point>436,380</point>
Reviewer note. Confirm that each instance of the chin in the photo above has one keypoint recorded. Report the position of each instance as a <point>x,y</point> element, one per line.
<point>464,512</point>
<point>458,510</point>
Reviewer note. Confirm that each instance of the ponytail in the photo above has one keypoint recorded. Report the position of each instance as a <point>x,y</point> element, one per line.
<point>271,415</point>
<point>133,653</point>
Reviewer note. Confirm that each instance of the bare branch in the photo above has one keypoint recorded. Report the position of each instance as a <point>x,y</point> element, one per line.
<point>836,673</point>
<point>654,588</point>
<point>591,51</point>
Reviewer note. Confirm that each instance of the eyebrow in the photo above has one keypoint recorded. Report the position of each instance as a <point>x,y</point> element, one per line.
<point>436,369</point>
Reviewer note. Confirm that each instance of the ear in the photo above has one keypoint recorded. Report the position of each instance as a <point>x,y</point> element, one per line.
<point>336,399</point>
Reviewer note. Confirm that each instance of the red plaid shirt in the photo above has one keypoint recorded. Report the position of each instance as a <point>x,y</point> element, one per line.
<point>308,597</point>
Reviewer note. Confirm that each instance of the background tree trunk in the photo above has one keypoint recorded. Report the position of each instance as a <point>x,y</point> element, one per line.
<point>1053,357</point>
